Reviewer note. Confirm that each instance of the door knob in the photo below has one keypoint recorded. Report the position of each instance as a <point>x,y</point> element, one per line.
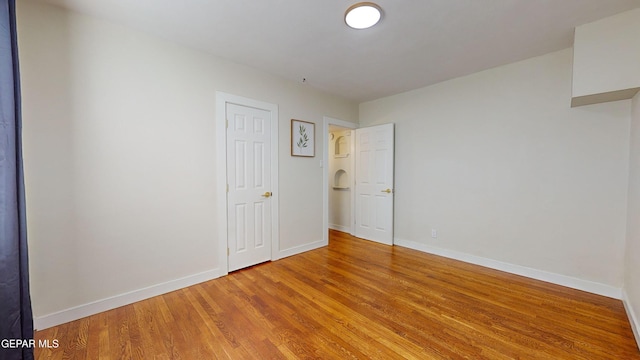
<point>388,191</point>
<point>267,194</point>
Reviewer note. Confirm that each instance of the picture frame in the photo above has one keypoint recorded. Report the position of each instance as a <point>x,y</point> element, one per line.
<point>303,137</point>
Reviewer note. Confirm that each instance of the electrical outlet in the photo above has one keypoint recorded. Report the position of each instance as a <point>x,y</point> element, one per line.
<point>434,233</point>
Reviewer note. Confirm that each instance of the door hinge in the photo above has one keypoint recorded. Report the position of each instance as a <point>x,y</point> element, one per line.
<point>228,252</point>
<point>227,187</point>
<point>226,123</point>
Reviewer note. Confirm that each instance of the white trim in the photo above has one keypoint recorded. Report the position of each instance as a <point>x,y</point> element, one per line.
<point>558,279</point>
<point>98,306</point>
<point>633,317</point>
<point>325,179</point>
<point>342,228</point>
<point>221,170</point>
<point>301,248</point>
<point>221,178</point>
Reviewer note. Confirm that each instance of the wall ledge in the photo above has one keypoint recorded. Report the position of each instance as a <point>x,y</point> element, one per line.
<point>604,97</point>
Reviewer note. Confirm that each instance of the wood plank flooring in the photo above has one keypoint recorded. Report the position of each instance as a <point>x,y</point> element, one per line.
<point>356,300</point>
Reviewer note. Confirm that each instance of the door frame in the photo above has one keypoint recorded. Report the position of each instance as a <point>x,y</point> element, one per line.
<point>327,121</point>
<point>222,99</point>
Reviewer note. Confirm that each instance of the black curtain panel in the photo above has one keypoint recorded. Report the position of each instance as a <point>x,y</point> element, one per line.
<point>16,320</point>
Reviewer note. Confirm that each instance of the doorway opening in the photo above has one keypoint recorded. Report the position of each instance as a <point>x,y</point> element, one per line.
<point>339,166</point>
<point>341,172</point>
<point>358,167</point>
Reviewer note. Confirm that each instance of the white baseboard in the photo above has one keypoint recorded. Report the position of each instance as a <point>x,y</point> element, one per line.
<point>568,281</point>
<point>300,249</point>
<point>98,306</point>
<point>95,307</point>
<point>633,317</point>
<point>342,228</point>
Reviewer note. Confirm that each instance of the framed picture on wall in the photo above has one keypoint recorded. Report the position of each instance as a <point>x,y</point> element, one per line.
<point>303,138</point>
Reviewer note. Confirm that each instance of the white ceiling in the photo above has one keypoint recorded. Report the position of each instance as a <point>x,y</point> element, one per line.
<point>417,43</point>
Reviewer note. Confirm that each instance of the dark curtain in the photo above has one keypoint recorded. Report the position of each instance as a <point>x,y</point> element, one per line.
<point>16,320</point>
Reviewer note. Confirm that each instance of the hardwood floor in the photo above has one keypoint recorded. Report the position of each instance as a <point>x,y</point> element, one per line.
<point>356,300</point>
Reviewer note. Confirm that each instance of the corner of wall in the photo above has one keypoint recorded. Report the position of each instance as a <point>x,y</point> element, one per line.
<point>632,315</point>
<point>631,290</point>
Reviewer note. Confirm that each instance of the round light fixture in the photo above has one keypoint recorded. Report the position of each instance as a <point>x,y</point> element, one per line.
<point>363,15</point>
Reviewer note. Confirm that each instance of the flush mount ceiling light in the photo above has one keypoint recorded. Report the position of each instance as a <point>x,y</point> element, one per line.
<point>363,15</point>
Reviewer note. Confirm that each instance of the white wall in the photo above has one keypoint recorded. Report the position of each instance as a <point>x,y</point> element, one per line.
<point>632,269</point>
<point>119,143</point>
<point>607,59</point>
<point>506,171</point>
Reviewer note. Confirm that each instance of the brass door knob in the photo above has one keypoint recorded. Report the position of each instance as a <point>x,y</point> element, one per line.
<point>388,191</point>
<point>267,194</point>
